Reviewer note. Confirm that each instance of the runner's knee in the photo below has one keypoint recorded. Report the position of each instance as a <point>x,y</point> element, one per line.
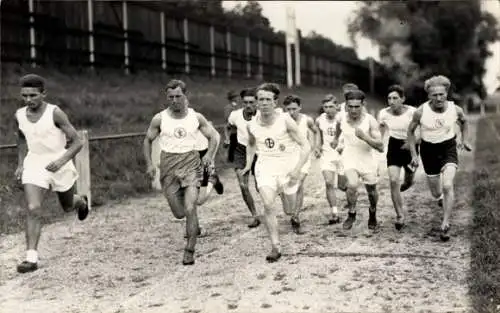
<point>330,184</point>
<point>34,209</point>
<point>447,185</point>
<point>395,183</point>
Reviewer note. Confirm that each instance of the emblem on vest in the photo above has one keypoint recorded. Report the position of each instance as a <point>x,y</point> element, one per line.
<point>179,132</point>
<point>282,147</point>
<point>438,123</point>
<point>269,142</point>
<point>330,131</point>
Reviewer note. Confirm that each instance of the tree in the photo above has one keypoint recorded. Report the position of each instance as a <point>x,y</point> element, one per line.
<point>418,39</point>
<point>250,16</point>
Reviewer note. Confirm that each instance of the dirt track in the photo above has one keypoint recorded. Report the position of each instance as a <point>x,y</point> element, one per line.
<point>126,258</point>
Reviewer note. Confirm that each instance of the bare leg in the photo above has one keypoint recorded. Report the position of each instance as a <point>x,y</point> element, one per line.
<point>449,173</point>
<point>331,196</point>
<point>373,199</point>
<point>70,201</point>
<point>268,196</point>
<point>192,224</point>
<point>352,197</point>
<point>397,200</point>
<point>247,197</point>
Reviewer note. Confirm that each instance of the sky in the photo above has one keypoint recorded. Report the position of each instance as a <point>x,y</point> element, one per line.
<point>330,18</point>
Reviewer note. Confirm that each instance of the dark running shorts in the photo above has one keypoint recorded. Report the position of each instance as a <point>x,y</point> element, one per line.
<point>202,153</point>
<point>180,170</point>
<point>436,155</point>
<point>397,156</point>
<point>240,158</point>
<point>233,142</point>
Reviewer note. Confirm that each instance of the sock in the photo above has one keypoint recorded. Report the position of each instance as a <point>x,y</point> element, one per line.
<point>32,256</point>
<point>334,209</point>
<point>440,197</point>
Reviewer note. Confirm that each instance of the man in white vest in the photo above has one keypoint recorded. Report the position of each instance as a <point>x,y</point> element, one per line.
<point>181,169</point>
<point>437,119</point>
<point>44,162</point>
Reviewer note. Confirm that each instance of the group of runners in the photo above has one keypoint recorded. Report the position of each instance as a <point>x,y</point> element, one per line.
<point>273,143</point>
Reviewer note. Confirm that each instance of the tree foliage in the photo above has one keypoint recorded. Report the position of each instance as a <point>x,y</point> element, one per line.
<point>418,39</point>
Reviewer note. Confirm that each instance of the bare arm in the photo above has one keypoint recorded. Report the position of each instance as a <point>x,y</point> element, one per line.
<point>229,128</point>
<point>251,150</point>
<point>22,147</point>
<point>212,135</point>
<point>75,143</point>
<point>305,148</point>
<point>375,138</point>
<point>462,123</point>
<point>412,140</point>
<point>151,134</point>
<point>315,131</point>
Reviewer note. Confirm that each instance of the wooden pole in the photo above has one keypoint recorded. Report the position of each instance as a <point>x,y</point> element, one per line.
<point>31,6</point>
<point>247,50</point>
<point>125,37</point>
<point>82,164</point>
<point>90,13</point>
<point>163,46</point>
<point>187,68</point>
<point>212,51</point>
<point>228,48</point>
<point>261,60</point>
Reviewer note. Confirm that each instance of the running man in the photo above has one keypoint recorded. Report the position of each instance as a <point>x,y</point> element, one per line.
<point>395,120</point>
<point>239,119</point>
<point>180,166</point>
<point>230,140</point>
<point>361,137</point>
<point>274,136</point>
<point>437,119</point>
<point>330,160</point>
<point>309,130</point>
<point>43,161</point>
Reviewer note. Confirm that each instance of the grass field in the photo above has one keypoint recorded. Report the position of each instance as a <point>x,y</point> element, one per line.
<point>110,102</point>
<point>485,234</point>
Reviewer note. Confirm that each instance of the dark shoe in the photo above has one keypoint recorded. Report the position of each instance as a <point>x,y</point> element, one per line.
<point>372,219</point>
<point>440,202</point>
<point>399,223</point>
<point>254,223</point>
<point>445,236</point>
<point>296,226</point>
<point>274,256</point>
<point>26,267</point>
<point>218,186</point>
<point>83,209</point>
<point>188,257</point>
<point>351,218</point>
<point>334,219</point>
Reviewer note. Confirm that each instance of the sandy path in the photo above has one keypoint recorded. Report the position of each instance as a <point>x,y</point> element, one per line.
<point>126,258</point>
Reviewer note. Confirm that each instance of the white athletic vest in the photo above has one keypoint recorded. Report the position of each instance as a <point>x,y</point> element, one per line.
<point>353,146</point>
<point>179,135</point>
<point>42,137</point>
<point>438,127</point>
<point>236,119</point>
<point>302,125</point>
<point>272,141</point>
<point>397,125</point>
<point>201,142</point>
<point>328,129</point>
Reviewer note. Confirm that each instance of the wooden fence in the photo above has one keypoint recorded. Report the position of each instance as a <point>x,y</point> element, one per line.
<point>141,35</point>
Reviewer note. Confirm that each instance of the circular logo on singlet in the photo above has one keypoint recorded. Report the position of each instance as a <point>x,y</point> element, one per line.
<point>330,131</point>
<point>439,123</point>
<point>179,132</point>
<point>282,147</point>
<point>269,142</point>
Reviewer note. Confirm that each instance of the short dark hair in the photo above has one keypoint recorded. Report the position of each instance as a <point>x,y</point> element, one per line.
<point>292,99</point>
<point>329,97</point>
<point>33,81</point>
<point>271,87</point>
<point>350,86</point>
<point>175,83</point>
<point>247,92</point>
<point>232,95</point>
<point>355,95</point>
<point>398,89</point>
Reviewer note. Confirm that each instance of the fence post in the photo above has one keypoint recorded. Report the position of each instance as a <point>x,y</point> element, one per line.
<point>82,164</point>
<point>261,67</point>
<point>187,68</point>
<point>90,12</point>
<point>297,60</point>
<point>228,50</point>
<point>163,47</point>
<point>212,51</point>
<point>31,6</point>
<point>125,36</point>
<point>247,50</point>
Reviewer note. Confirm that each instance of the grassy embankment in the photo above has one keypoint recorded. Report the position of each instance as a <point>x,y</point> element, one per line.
<point>111,103</point>
<point>485,234</point>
